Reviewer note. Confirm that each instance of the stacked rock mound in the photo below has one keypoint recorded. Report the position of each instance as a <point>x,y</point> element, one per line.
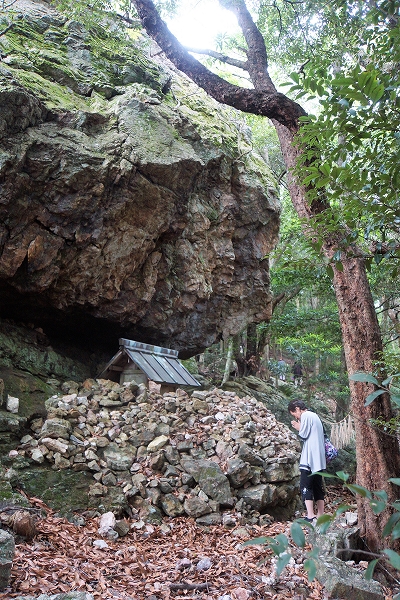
<point>204,455</point>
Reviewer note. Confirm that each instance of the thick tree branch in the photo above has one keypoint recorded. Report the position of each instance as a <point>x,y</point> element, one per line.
<point>284,297</point>
<point>270,104</point>
<point>127,19</point>
<point>240,64</point>
<point>257,53</point>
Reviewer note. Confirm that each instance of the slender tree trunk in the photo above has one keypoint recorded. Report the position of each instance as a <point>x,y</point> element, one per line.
<point>228,363</point>
<point>252,359</point>
<point>264,350</point>
<point>239,354</point>
<point>384,319</point>
<point>317,363</point>
<point>394,316</point>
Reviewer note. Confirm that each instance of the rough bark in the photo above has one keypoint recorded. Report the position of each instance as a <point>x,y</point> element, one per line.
<point>252,355</point>
<point>377,454</point>
<point>273,104</point>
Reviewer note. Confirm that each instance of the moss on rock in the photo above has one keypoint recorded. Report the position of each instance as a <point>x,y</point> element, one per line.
<point>64,491</point>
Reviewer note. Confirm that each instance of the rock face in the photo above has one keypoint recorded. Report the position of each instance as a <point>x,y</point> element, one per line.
<point>153,455</point>
<point>339,579</point>
<point>131,203</point>
<point>7,548</point>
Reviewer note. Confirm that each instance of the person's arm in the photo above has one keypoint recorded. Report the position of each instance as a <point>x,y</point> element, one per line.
<point>305,426</point>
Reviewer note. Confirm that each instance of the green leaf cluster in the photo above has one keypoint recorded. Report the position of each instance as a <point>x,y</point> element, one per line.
<point>353,141</point>
<point>384,387</point>
<point>343,60</point>
<point>378,501</point>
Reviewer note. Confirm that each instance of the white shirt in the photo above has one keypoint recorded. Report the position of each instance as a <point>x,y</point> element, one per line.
<point>312,433</point>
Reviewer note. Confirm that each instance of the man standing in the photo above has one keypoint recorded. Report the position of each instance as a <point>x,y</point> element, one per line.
<point>297,374</point>
<point>312,459</point>
<point>282,368</point>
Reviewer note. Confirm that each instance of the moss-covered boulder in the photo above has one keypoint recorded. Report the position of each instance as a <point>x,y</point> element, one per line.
<point>64,491</point>
<point>132,203</point>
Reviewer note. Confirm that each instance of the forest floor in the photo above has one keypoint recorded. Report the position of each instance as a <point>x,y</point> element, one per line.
<point>173,561</point>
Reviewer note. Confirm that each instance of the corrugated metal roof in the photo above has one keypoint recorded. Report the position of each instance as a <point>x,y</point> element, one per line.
<point>147,347</point>
<point>161,369</point>
<point>159,364</point>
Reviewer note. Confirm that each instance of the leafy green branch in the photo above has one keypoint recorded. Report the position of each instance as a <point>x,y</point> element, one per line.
<point>378,501</point>
<point>383,386</point>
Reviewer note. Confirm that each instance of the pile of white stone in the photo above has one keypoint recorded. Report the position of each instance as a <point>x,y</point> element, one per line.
<point>200,454</point>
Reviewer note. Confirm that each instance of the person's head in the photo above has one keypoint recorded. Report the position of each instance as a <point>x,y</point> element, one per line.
<point>295,407</point>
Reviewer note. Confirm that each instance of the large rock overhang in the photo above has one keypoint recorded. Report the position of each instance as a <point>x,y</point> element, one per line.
<point>124,211</point>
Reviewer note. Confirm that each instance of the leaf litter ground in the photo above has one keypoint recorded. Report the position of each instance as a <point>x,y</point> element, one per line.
<point>174,561</point>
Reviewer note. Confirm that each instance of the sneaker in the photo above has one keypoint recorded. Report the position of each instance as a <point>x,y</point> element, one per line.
<point>310,520</point>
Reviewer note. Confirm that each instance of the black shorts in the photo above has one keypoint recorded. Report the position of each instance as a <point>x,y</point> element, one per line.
<point>311,486</point>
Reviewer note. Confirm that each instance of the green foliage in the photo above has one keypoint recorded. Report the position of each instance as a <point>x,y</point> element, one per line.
<point>166,7</point>
<point>89,13</point>
<point>297,534</point>
<point>384,386</point>
<point>391,427</point>
<point>389,385</point>
<point>191,365</point>
<point>309,343</point>
<point>298,29</point>
<point>265,142</point>
<point>305,325</point>
<point>308,333</point>
<point>378,501</point>
<point>353,142</point>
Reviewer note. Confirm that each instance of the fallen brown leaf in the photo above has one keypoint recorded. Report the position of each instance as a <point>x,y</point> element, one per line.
<point>62,558</point>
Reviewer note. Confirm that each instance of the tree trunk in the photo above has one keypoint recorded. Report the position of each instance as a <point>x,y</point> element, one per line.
<point>264,349</point>
<point>394,316</point>
<point>252,358</point>
<point>228,363</point>
<point>378,456</point>
<point>317,363</point>
<point>377,453</point>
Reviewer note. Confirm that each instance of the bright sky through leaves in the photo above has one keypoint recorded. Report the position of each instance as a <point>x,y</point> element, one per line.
<point>198,22</point>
